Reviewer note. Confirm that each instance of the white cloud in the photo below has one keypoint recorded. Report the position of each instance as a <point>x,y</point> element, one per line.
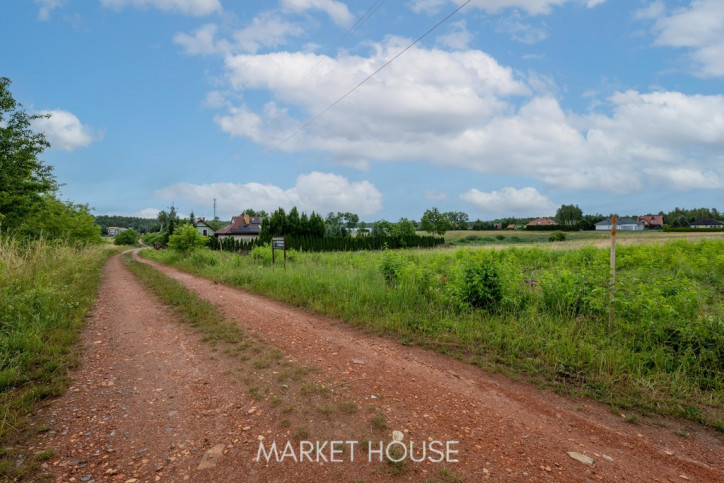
<point>196,8</point>
<point>46,7</point>
<point>459,38</point>
<point>320,192</point>
<point>337,11</point>
<point>687,178</point>
<point>510,201</point>
<point>268,29</point>
<point>699,28</point>
<point>652,11</point>
<point>463,109</point>
<point>533,7</point>
<point>201,42</point>
<point>64,131</point>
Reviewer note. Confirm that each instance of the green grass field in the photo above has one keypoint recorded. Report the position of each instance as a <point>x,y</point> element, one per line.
<point>536,312</point>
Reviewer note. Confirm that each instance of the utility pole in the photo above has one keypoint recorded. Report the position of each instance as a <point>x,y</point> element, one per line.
<point>214,208</point>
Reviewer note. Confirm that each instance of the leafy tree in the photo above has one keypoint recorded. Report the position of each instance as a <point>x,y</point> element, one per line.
<point>458,219</point>
<point>433,221</point>
<point>186,239</point>
<point>569,215</point>
<point>24,179</point>
<point>403,228</point>
<point>126,237</point>
<point>383,228</point>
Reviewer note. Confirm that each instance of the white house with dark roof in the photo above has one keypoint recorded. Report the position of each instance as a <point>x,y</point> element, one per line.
<point>622,224</point>
<point>203,228</point>
<point>707,223</point>
<point>242,228</point>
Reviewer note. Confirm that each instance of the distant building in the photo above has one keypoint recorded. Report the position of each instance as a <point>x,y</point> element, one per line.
<point>622,224</point>
<point>202,227</point>
<point>114,230</point>
<point>652,222</point>
<point>707,223</point>
<point>541,221</point>
<point>242,228</point>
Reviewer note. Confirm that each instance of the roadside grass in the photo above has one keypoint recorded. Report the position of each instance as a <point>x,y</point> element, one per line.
<point>46,291</point>
<point>663,356</point>
<point>274,381</point>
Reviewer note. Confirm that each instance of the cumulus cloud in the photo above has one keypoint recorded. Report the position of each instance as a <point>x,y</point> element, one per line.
<point>202,42</point>
<point>268,29</point>
<point>337,11</point>
<point>196,8</point>
<point>464,109</point>
<point>521,31</point>
<point>516,202</point>
<point>46,7</point>
<point>64,130</point>
<point>699,27</point>
<point>320,192</point>
<point>687,178</point>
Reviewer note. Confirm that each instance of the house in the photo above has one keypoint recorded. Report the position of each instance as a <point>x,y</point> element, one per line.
<point>202,227</point>
<point>541,221</point>
<point>707,223</point>
<point>652,222</point>
<point>242,228</point>
<point>511,226</point>
<point>114,230</point>
<point>623,224</point>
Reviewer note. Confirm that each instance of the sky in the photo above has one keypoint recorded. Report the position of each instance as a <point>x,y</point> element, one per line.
<point>504,108</point>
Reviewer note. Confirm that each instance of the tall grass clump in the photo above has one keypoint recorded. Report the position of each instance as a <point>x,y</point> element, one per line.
<point>536,311</point>
<point>46,290</point>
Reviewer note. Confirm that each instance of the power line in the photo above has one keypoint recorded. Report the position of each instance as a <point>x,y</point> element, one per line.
<point>365,16</point>
<point>331,106</point>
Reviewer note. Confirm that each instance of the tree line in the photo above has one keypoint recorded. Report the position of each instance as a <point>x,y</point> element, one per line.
<point>30,203</point>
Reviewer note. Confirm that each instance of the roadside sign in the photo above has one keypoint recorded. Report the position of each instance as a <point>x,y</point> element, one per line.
<point>279,243</point>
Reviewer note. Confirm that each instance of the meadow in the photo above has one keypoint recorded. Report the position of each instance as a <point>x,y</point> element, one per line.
<point>535,312</point>
<point>46,290</point>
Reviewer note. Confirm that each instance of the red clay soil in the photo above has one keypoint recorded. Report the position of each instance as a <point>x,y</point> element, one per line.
<point>153,402</point>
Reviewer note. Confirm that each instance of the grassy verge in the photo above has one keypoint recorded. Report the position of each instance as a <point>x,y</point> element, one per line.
<point>665,354</point>
<point>46,290</point>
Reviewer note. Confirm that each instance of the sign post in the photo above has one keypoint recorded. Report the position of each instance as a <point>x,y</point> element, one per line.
<point>612,282</point>
<point>279,243</point>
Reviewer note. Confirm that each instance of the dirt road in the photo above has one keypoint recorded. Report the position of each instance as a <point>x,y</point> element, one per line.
<point>153,402</point>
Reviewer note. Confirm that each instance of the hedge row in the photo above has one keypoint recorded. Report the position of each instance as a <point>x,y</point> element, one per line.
<point>671,228</point>
<point>330,244</point>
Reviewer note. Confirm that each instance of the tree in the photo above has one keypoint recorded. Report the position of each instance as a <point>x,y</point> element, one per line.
<point>383,228</point>
<point>569,215</point>
<point>433,221</point>
<point>186,239</point>
<point>458,219</point>
<point>404,228</point>
<point>24,179</point>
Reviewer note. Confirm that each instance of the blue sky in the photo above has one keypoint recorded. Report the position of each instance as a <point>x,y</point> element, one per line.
<point>509,108</point>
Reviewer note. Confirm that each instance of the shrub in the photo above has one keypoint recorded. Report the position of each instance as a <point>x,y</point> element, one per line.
<point>126,237</point>
<point>186,239</point>
<point>481,286</point>
<point>151,238</point>
<point>557,236</point>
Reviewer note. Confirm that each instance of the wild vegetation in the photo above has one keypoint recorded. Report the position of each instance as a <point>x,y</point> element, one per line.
<point>46,289</point>
<point>534,311</point>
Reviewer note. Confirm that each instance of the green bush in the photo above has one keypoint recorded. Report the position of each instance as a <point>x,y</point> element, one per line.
<point>126,237</point>
<point>557,236</point>
<point>186,239</point>
<point>151,238</point>
<point>481,286</point>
